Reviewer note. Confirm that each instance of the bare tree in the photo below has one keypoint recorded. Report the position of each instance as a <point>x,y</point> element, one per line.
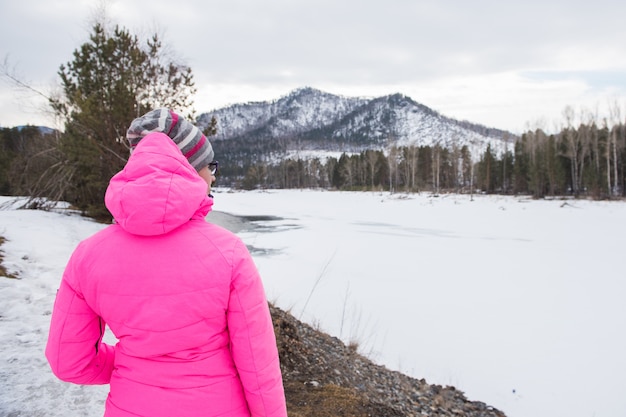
<point>611,151</point>
<point>576,149</point>
<point>371,159</point>
<point>392,161</point>
<point>411,159</point>
<point>436,167</point>
<point>505,183</point>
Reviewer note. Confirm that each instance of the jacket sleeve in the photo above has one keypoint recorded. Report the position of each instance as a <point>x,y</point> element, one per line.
<point>253,343</point>
<point>75,350</point>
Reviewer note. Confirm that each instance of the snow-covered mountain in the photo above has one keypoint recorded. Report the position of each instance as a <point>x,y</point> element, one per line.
<point>308,118</point>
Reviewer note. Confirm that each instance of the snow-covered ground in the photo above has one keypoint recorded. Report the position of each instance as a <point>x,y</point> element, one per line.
<point>518,303</point>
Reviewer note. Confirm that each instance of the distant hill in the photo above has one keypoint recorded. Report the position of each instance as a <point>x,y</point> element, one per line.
<point>309,119</point>
<point>44,130</point>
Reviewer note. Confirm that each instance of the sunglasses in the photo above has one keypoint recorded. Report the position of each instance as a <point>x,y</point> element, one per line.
<point>214,167</point>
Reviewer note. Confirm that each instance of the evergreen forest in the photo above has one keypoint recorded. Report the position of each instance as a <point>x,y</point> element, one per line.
<point>588,160</point>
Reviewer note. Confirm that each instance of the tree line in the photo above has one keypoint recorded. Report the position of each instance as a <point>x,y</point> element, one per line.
<point>587,160</point>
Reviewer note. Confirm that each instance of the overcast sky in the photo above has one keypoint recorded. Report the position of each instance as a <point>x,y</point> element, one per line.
<point>505,64</point>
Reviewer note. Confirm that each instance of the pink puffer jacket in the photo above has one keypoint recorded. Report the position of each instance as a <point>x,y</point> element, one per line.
<point>182,296</point>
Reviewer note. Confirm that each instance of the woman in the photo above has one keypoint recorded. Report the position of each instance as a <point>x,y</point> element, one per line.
<point>182,296</point>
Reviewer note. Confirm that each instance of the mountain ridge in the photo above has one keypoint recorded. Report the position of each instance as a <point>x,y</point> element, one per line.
<point>313,119</point>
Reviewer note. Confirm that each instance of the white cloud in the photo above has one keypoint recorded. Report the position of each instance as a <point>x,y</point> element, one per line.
<point>500,63</point>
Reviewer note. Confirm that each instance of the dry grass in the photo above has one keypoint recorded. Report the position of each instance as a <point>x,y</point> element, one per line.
<point>3,270</point>
<point>307,400</point>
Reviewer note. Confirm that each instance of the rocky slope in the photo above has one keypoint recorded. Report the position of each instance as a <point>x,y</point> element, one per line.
<point>324,378</point>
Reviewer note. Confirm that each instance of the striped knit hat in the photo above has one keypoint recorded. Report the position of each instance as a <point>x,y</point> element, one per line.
<point>189,139</point>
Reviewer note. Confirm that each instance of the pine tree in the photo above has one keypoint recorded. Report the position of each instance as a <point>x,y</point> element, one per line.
<point>112,79</point>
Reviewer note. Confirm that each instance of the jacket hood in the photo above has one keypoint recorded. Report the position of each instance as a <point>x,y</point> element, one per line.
<point>158,190</point>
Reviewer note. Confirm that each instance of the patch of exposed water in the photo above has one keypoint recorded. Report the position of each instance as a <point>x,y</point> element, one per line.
<point>246,224</point>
